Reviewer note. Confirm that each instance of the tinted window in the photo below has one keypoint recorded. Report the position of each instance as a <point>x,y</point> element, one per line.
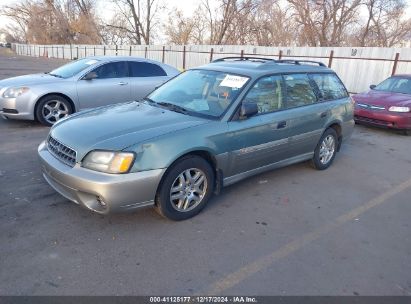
<point>330,86</point>
<point>145,69</point>
<point>268,94</point>
<point>299,90</point>
<point>395,84</point>
<point>112,70</point>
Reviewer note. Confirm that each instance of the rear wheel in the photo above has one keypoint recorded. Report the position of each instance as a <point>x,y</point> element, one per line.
<point>52,108</point>
<point>407,132</point>
<point>326,150</point>
<point>186,189</point>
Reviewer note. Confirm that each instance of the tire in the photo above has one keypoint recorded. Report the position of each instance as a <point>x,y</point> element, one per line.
<point>52,108</point>
<point>188,201</point>
<point>326,150</point>
<point>406,132</point>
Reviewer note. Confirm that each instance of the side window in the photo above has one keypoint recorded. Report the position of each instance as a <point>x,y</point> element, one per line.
<point>402,85</point>
<point>330,86</point>
<point>268,94</point>
<point>145,69</point>
<point>299,90</point>
<point>112,70</point>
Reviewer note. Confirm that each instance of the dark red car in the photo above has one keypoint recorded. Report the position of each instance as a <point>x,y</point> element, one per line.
<point>387,104</point>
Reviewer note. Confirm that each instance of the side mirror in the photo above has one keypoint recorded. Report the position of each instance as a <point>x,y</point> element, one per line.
<point>248,109</point>
<point>372,87</point>
<point>90,76</point>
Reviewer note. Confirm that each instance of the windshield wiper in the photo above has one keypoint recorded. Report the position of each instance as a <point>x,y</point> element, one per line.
<point>173,107</point>
<point>149,100</point>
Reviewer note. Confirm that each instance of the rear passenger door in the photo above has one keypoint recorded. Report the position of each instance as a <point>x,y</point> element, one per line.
<point>145,77</point>
<point>308,116</point>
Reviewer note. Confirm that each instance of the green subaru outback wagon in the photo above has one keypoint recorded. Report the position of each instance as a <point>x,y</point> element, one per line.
<point>207,128</point>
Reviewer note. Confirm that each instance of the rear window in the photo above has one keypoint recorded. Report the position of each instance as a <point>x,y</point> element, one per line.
<point>299,90</point>
<point>330,87</point>
<point>145,69</point>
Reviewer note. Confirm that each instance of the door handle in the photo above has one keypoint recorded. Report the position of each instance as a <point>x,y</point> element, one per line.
<point>122,83</point>
<point>324,114</point>
<point>281,124</point>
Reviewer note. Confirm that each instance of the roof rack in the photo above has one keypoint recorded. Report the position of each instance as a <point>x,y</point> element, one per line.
<point>298,62</point>
<point>290,61</point>
<point>243,58</point>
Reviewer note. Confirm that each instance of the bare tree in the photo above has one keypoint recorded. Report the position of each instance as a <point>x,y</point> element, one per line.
<point>179,29</point>
<point>53,21</point>
<point>194,29</point>
<point>223,20</point>
<point>19,14</point>
<point>137,19</point>
<point>386,24</point>
<point>273,25</point>
<point>324,22</point>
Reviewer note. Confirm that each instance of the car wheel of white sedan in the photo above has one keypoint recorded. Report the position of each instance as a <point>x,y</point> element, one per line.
<point>186,188</point>
<point>52,108</point>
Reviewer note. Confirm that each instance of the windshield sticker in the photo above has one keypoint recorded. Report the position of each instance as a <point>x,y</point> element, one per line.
<point>233,81</point>
<point>91,62</point>
<point>198,105</point>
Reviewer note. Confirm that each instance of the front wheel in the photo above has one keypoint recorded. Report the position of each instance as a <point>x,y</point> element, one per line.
<point>186,189</point>
<point>326,150</point>
<point>52,108</point>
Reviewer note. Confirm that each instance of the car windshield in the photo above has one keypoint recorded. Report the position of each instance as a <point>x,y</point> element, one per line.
<point>73,68</point>
<point>203,92</point>
<point>396,85</point>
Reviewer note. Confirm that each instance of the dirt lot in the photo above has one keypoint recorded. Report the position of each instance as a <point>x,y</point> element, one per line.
<point>294,231</point>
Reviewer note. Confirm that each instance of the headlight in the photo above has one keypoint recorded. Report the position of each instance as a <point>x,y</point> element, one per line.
<point>109,162</point>
<point>399,109</point>
<point>15,92</point>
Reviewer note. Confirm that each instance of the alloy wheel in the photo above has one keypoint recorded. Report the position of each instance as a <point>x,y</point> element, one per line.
<point>188,190</point>
<point>327,149</point>
<point>54,110</point>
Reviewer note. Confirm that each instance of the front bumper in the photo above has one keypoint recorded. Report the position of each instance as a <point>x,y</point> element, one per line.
<point>100,192</point>
<point>383,118</point>
<point>21,107</point>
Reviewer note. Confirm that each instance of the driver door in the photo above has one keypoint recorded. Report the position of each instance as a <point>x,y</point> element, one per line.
<point>262,139</point>
<point>112,85</point>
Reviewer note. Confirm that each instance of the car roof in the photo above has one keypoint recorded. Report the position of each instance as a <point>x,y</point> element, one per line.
<point>119,58</point>
<point>256,67</point>
<point>402,75</point>
<point>170,70</point>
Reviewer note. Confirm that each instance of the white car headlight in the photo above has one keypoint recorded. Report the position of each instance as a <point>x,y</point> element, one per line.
<point>15,92</point>
<point>108,161</point>
<point>399,109</point>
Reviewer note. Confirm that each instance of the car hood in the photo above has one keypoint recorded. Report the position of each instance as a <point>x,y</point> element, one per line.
<point>27,80</point>
<point>381,98</point>
<point>117,127</point>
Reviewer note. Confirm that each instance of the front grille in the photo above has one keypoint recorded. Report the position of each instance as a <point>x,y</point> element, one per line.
<point>370,107</point>
<point>61,151</point>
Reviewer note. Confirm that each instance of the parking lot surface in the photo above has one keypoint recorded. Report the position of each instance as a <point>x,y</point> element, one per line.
<point>293,231</point>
